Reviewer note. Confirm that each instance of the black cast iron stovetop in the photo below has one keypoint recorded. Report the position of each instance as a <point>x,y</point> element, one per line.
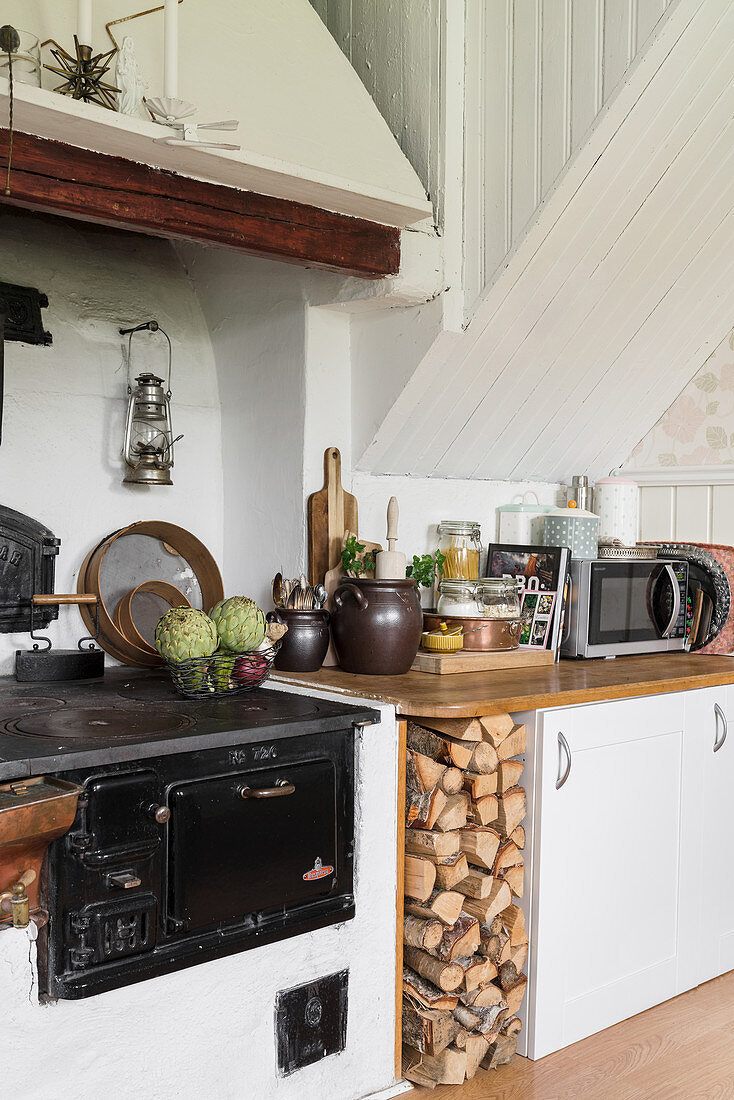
<point>133,715</point>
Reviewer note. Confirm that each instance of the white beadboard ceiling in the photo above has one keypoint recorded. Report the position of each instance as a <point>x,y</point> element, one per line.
<point>615,296</point>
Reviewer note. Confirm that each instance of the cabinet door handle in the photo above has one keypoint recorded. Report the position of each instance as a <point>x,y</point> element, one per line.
<point>563,744</point>
<point>718,713</point>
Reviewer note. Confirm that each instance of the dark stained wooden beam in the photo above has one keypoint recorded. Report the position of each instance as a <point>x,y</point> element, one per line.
<point>79,183</point>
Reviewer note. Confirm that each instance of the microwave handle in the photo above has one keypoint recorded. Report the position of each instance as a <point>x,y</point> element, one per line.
<point>676,601</point>
<point>567,611</point>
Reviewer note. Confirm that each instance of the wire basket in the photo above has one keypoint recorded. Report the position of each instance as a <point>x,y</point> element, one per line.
<point>223,673</point>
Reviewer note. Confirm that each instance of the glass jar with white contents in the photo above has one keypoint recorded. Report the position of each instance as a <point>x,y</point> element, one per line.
<point>486,598</point>
<point>459,543</point>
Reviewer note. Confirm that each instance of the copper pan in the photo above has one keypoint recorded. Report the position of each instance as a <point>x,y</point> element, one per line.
<point>481,634</point>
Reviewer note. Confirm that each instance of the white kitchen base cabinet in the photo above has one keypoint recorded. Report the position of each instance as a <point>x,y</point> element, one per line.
<point>624,843</point>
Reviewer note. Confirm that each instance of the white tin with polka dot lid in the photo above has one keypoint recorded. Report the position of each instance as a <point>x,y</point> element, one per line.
<point>573,527</point>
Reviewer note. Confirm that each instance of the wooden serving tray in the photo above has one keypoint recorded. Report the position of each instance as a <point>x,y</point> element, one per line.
<point>468,661</point>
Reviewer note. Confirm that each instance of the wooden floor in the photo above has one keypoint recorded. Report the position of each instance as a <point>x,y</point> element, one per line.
<point>681,1050</point>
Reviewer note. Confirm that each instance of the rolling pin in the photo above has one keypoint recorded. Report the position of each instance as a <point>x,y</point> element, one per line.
<point>390,563</point>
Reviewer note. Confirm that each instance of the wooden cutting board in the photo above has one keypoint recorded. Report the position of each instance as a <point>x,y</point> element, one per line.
<point>330,513</point>
<point>467,661</point>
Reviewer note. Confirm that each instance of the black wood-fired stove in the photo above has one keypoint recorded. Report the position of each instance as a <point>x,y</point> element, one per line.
<point>204,827</point>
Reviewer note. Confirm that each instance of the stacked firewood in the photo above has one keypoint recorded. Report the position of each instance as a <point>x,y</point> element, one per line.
<point>465,942</point>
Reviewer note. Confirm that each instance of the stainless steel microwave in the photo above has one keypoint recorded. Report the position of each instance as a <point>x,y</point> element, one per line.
<point>617,607</point>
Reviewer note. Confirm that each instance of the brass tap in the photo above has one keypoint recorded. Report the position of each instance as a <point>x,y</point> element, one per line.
<point>16,902</point>
<point>19,907</point>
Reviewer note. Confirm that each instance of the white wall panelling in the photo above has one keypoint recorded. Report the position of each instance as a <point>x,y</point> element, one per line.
<point>635,244</point>
<point>694,505</point>
<point>538,73</point>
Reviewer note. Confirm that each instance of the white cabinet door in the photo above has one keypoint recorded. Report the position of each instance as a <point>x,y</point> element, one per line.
<point>612,918</point>
<point>710,721</point>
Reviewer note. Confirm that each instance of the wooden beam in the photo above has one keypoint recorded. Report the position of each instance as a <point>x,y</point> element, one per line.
<point>80,183</point>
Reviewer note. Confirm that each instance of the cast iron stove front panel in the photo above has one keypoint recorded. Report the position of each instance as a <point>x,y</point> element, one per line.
<point>169,864</point>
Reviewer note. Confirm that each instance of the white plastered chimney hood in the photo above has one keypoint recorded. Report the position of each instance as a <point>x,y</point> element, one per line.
<point>309,131</point>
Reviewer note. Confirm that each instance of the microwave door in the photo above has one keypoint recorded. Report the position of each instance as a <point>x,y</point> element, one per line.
<point>631,604</point>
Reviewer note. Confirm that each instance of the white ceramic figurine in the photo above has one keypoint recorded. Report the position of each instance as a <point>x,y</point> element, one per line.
<point>129,80</point>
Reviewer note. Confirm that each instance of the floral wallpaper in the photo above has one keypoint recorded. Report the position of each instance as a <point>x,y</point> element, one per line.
<point>698,428</point>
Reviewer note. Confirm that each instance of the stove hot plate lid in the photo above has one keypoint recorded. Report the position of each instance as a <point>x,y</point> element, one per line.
<point>17,706</point>
<point>90,725</point>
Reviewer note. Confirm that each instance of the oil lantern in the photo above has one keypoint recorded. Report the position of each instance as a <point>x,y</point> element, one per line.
<point>148,446</point>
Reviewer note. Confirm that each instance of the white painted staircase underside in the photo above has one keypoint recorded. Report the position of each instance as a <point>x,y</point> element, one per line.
<point>619,291</point>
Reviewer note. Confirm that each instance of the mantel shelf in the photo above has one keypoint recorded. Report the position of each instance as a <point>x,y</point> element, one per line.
<point>84,162</point>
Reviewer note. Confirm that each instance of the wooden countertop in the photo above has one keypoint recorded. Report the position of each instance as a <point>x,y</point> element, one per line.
<point>465,695</point>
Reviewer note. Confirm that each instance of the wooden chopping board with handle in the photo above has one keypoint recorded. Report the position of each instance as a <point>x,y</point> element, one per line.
<point>330,513</point>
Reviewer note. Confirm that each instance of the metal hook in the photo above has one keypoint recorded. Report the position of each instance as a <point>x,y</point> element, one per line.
<point>91,638</point>
<point>38,637</point>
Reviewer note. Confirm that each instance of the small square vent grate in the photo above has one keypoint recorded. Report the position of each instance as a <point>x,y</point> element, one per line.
<point>311,1022</point>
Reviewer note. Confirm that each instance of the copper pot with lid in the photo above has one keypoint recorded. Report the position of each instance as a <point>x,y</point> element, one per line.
<point>481,634</point>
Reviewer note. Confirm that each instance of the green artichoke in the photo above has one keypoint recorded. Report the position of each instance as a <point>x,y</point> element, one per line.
<point>183,633</point>
<point>240,624</point>
<point>220,671</point>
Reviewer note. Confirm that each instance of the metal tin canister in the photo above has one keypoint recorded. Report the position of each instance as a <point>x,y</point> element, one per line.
<point>521,521</point>
<point>575,528</point>
<point>617,505</point>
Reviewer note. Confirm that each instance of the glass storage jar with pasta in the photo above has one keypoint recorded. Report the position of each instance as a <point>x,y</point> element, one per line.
<point>460,543</point>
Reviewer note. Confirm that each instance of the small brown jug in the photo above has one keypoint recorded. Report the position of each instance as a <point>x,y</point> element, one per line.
<point>376,626</point>
<point>305,644</point>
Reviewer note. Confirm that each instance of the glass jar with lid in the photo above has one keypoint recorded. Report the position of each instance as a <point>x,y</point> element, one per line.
<point>485,598</point>
<point>460,543</point>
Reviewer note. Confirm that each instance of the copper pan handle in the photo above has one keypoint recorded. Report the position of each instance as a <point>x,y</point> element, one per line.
<point>52,601</point>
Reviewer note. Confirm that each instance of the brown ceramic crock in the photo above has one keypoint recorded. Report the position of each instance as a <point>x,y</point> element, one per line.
<point>306,641</point>
<point>377,626</point>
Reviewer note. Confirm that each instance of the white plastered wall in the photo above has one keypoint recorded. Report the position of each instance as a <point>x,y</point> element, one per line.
<point>64,408</point>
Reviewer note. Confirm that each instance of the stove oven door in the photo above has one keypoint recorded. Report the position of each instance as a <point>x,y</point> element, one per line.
<point>250,843</point>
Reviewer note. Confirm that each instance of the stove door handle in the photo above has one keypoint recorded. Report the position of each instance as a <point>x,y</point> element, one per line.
<point>282,788</point>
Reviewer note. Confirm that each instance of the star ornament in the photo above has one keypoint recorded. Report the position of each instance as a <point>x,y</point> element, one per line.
<point>83,74</point>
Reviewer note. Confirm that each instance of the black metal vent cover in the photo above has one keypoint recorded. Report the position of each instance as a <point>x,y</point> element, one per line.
<point>311,1022</point>
<point>22,307</point>
<point>27,565</point>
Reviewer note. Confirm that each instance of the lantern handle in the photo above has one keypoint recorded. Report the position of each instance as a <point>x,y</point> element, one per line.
<point>151,326</point>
